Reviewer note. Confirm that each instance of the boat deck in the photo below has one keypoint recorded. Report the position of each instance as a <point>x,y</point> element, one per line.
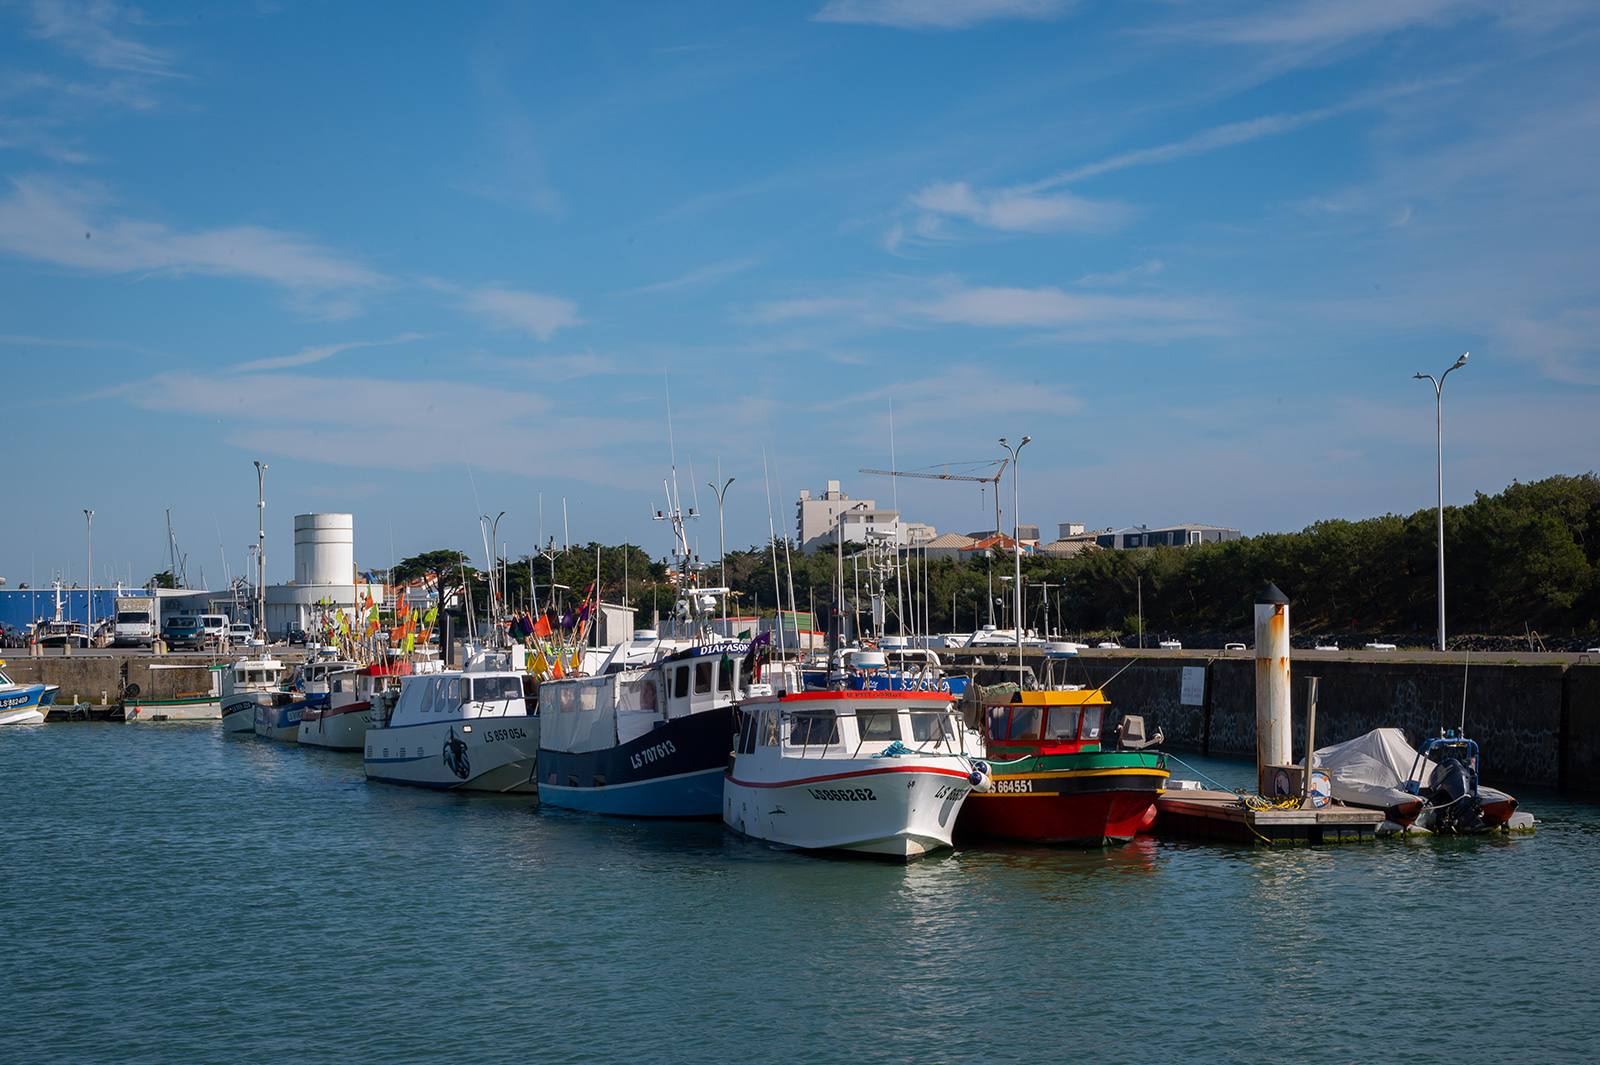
<point>1223,815</point>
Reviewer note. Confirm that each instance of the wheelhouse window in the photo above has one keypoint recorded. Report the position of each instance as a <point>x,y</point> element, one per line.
<point>725,674</point>
<point>702,678</point>
<point>769,728</point>
<point>452,692</point>
<point>1091,723</point>
<point>680,687</point>
<point>879,727</point>
<point>1062,724</point>
<point>813,728</point>
<point>1025,721</point>
<point>494,689</point>
<point>930,728</point>
<point>997,721</point>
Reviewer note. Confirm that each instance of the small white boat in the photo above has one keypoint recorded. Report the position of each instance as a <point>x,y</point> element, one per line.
<point>185,706</point>
<point>248,683</point>
<point>24,704</point>
<point>873,772</point>
<point>469,729</point>
<point>341,723</point>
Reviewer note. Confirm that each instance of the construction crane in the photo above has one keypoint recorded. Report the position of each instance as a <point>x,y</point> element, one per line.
<point>946,475</point>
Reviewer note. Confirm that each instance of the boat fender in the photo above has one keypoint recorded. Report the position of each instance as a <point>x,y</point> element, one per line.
<point>979,777</point>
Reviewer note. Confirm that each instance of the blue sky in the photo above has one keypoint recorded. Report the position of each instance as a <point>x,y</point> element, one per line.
<point>429,262</point>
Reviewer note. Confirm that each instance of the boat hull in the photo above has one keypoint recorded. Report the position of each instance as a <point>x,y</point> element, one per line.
<point>1084,807</point>
<point>239,710</point>
<point>149,711</point>
<point>337,728</point>
<point>495,754</point>
<point>26,704</point>
<point>674,771</point>
<point>280,722</point>
<point>882,809</point>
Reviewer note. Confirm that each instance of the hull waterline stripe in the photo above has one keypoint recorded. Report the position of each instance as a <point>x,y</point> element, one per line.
<point>934,770</point>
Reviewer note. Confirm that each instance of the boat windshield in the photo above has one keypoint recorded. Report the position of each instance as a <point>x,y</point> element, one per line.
<point>494,689</point>
<point>1062,724</point>
<point>880,727</point>
<point>813,727</point>
<point>1025,721</point>
<point>1091,723</point>
<point>930,728</point>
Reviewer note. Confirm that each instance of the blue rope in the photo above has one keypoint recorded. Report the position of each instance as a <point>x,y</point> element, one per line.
<point>894,750</point>
<point>1201,775</point>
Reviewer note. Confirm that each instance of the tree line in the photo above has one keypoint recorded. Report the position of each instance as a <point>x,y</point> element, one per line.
<point>1528,556</point>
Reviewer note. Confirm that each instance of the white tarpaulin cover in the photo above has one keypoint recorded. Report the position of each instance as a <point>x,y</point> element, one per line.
<point>578,714</point>
<point>639,699</point>
<point>1372,770</point>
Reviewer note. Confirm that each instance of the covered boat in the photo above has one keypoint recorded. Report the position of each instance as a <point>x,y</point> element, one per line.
<point>1435,788</point>
<point>1057,780</point>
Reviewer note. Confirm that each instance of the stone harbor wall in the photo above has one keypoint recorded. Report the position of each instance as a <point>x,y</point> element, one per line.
<point>1534,724</point>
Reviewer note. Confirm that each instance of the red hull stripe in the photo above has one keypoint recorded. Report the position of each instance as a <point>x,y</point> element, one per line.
<point>323,715</point>
<point>848,776</point>
<point>880,696</point>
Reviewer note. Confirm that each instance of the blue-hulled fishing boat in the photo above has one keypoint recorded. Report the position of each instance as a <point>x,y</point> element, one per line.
<point>24,704</point>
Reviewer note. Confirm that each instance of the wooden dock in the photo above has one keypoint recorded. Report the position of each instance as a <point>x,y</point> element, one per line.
<point>1224,815</point>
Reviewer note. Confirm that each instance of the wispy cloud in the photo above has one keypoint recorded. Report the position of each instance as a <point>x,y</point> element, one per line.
<point>95,31</point>
<point>51,222</point>
<point>1043,307</point>
<point>530,312</point>
<point>701,276</point>
<point>1013,209</point>
<point>936,14</point>
<point>310,355</point>
<point>1329,22</point>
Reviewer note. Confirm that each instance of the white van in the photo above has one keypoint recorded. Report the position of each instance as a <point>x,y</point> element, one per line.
<point>134,624</point>
<point>214,629</point>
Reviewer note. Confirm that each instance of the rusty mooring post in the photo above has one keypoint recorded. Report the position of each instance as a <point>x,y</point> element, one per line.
<point>1272,682</point>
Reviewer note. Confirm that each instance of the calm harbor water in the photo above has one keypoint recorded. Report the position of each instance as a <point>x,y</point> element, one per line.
<point>176,895</point>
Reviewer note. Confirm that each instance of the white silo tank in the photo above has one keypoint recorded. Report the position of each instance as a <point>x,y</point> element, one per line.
<point>324,549</point>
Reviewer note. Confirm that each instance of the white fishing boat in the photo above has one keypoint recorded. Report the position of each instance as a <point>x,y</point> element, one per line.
<point>138,708</point>
<point>873,772</point>
<point>24,704</point>
<point>468,729</point>
<point>309,690</point>
<point>248,683</point>
<point>340,723</point>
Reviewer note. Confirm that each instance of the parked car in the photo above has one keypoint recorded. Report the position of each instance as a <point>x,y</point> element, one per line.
<point>183,631</point>
<point>240,634</point>
<point>11,636</point>
<point>1236,647</point>
<point>296,635</point>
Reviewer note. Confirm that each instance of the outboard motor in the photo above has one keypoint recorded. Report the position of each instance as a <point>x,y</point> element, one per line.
<point>1455,799</point>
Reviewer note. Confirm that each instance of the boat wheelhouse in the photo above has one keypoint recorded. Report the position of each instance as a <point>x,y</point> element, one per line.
<point>310,690</point>
<point>247,683</point>
<point>24,704</point>
<point>876,772</point>
<point>463,729</point>
<point>1055,779</point>
<point>341,723</point>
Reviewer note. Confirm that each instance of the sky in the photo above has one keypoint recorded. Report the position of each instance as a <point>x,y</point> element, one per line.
<point>430,262</point>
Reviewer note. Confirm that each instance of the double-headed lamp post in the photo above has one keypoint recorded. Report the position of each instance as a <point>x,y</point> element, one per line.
<point>1438,399</point>
<point>722,551</point>
<point>88,518</point>
<point>1016,543</point>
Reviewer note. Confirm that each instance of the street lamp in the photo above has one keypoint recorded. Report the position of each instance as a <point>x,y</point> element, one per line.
<point>722,552</point>
<point>1438,399</point>
<point>261,550</point>
<point>1016,543</point>
<point>88,518</point>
